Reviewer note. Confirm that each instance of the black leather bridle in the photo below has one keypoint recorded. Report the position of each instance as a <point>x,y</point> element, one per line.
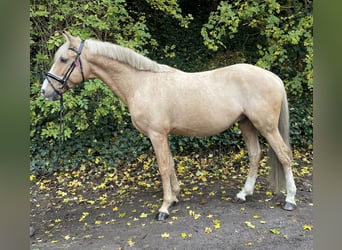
<point>64,81</point>
<point>64,85</point>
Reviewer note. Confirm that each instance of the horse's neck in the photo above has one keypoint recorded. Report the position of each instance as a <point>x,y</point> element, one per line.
<point>118,76</point>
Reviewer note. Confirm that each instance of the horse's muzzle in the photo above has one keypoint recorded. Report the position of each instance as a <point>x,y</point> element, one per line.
<point>48,92</point>
<point>50,97</point>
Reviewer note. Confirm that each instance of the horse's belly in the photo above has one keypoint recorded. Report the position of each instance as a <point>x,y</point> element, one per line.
<point>202,127</point>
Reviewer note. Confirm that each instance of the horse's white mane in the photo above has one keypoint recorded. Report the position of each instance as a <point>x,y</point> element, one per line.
<point>125,55</point>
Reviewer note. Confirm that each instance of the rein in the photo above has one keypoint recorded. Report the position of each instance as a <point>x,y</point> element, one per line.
<point>64,85</point>
<point>61,130</point>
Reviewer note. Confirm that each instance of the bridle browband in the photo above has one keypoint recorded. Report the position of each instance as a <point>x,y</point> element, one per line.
<point>64,81</point>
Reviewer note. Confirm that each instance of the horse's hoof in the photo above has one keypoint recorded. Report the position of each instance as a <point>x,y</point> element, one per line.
<point>162,216</point>
<point>289,206</point>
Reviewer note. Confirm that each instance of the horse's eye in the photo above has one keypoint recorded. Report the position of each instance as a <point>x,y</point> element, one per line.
<point>64,60</point>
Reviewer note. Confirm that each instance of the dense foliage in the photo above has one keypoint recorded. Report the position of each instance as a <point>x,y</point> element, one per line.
<point>189,35</point>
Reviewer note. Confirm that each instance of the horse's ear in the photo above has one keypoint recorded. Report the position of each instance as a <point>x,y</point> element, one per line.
<point>73,41</point>
<point>68,36</point>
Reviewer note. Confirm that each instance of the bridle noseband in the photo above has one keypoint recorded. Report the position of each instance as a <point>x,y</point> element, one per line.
<point>64,81</point>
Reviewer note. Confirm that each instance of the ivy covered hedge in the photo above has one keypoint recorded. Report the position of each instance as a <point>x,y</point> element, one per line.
<point>276,35</point>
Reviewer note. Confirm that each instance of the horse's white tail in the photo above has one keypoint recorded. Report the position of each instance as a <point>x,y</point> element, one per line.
<point>277,176</point>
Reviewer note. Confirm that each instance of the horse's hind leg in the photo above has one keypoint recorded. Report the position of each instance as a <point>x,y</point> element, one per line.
<point>283,153</point>
<point>249,134</point>
<point>174,181</point>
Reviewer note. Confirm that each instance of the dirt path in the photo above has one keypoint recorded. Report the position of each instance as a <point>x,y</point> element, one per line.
<point>206,218</point>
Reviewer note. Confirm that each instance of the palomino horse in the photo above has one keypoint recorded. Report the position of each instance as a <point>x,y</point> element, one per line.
<point>163,100</point>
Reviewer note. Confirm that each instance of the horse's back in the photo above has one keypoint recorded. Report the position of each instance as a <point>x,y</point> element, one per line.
<point>248,75</point>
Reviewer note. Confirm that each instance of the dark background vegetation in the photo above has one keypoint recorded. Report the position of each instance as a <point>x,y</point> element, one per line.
<point>189,35</point>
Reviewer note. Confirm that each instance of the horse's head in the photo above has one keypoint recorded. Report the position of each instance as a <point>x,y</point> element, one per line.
<point>67,70</point>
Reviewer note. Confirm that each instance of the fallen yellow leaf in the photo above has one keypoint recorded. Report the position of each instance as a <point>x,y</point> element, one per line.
<point>165,235</point>
<point>249,224</point>
<point>268,193</point>
<point>217,224</point>
<point>307,227</point>
<point>275,231</point>
<point>143,215</point>
<point>32,178</point>
<point>131,242</point>
<point>183,235</point>
<point>84,215</point>
<point>121,215</point>
<point>193,214</point>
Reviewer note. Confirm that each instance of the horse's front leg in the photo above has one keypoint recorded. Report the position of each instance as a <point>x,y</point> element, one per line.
<point>165,164</point>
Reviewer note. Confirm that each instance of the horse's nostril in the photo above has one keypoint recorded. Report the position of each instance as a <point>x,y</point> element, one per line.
<point>43,92</point>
